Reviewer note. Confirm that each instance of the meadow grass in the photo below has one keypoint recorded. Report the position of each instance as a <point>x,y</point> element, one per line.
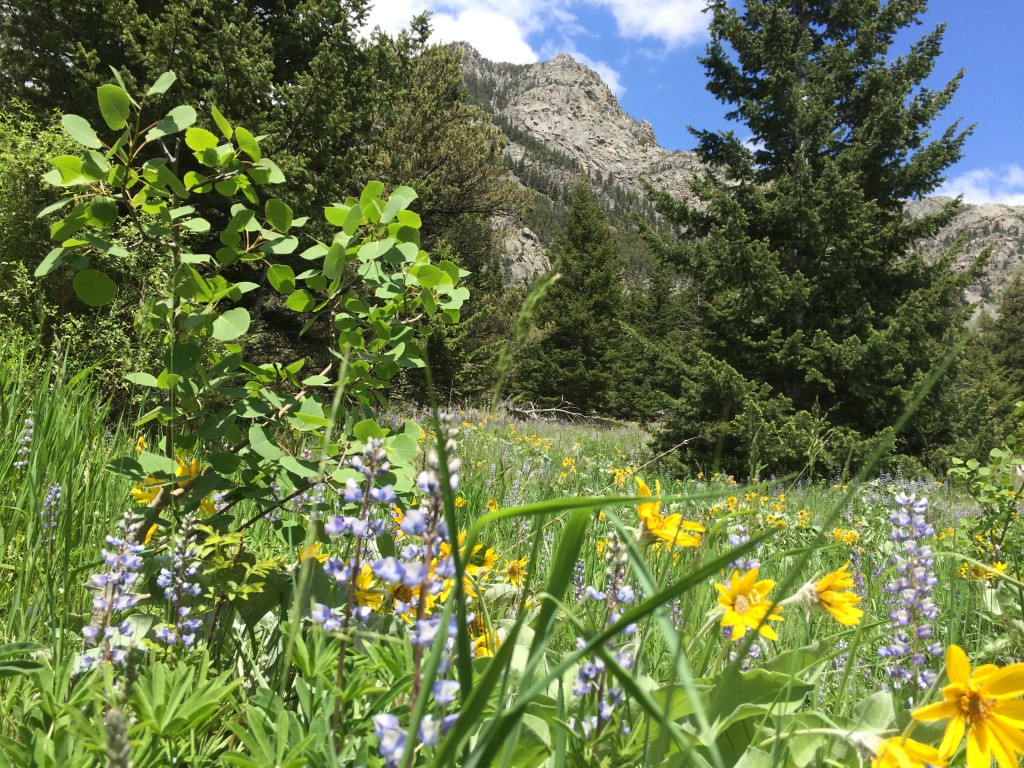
<point>547,502</point>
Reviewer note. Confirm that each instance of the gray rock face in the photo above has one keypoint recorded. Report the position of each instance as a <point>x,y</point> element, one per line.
<point>564,123</point>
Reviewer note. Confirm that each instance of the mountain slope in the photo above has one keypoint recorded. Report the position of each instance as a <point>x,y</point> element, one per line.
<point>563,123</point>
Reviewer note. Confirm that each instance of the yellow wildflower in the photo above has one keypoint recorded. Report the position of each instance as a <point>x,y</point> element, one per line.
<point>746,605</point>
<point>986,706</point>
<point>673,529</point>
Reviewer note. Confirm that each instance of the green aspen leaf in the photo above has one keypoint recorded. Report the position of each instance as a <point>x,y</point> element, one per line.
<point>400,199</point>
<point>266,172</point>
<point>154,464</point>
<point>227,255</point>
<point>196,225</point>
<point>298,468</point>
<point>165,81</point>
<point>353,220</point>
<point>231,324</point>
<point>375,249</point>
<point>78,128</point>
<point>222,124</point>
<point>300,301</point>
<point>181,358</point>
<point>335,214</point>
<point>261,443</point>
<point>115,106</point>
<point>279,215</point>
<point>314,252</point>
<point>51,261</point>
<point>168,178</point>
<point>55,207</point>
<point>177,120</point>
<point>69,167</point>
<point>368,428</point>
<point>282,278</point>
<point>199,139</point>
<point>248,144</point>
<point>196,182</point>
<point>94,288</point>
<point>371,192</point>
<point>334,262</point>
<point>142,379</point>
<point>280,246</point>
<point>102,211</point>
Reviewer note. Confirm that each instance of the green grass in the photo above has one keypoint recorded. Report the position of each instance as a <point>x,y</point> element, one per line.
<point>264,689</point>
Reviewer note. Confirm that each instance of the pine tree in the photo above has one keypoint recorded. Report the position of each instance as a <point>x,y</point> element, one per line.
<point>569,365</point>
<point>820,320</point>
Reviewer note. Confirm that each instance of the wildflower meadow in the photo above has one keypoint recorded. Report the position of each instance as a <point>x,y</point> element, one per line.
<point>272,566</point>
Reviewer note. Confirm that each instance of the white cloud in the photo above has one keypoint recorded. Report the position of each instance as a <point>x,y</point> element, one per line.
<point>500,29</point>
<point>496,36</point>
<point>496,29</point>
<point>1004,185</point>
<point>674,22</point>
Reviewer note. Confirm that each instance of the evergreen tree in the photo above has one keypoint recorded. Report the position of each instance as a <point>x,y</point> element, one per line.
<point>569,364</point>
<point>820,321</point>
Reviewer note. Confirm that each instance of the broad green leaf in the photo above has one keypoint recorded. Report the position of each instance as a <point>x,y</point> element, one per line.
<point>248,144</point>
<point>49,263</point>
<point>115,106</point>
<point>199,139</point>
<point>399,201</point>
<point>266,172</point>
<point>280,245</point>
<point>94,288</point>
<point>165,81</point>
<point>78,128</point>
<point>222,124</point>
<point>282,278</point>
<point>231,324</point>
<point>279,215</point>
<point>142,379</point>
<point>261,443</point>
<point>155,464</point>
<point>102,211</point>
<point>301,301</point>
<point>177,120</point>
<point>182,358</point>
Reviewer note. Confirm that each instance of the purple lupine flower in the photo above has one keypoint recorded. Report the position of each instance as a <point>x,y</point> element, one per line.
<point>49,511</point>
<point>24,444</point>
<point>913,611</point>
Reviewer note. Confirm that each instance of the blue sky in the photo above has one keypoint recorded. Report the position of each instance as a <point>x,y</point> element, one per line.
<point>646,51</point>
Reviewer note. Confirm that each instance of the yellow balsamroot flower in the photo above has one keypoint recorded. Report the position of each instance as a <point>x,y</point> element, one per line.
<point>492,505</point>
<point>673,530</point>
<point>986,705</point>
<point>515,572</point>
<point>366,591</point>
<point>898,752</point>
<point>832,593</point>
<point>746,604</point>
<point>148,489</point>
<point>312,552</point>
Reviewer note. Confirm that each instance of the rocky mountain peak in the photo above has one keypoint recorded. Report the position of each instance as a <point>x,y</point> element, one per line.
<point>564,123</point>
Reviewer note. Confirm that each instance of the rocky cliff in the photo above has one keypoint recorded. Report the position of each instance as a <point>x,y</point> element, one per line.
<point>564,123</point>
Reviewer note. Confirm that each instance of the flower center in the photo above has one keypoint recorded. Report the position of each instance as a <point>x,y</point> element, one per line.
<point>974,707</point>
<point>403,593</point>
<point>741,604</point>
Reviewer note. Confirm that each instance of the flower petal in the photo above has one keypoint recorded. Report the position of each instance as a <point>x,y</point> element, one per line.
<point>937,711</point>
<point>958,668</point>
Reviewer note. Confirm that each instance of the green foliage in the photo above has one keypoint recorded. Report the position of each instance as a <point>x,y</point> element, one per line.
<point>809,286</point>
<point>569,364</point>
<point>51,313</point>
